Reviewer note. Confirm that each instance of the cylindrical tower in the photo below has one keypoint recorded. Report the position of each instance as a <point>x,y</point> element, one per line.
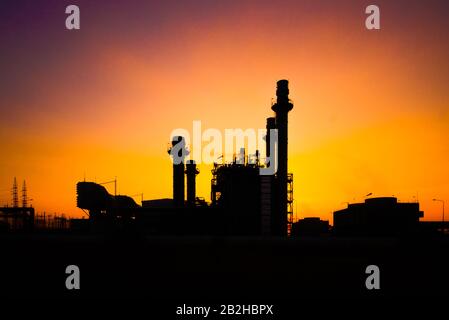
<point>281,108</point>
<point>178,152</point>
<point>271,124</point>
<point>191,172</point>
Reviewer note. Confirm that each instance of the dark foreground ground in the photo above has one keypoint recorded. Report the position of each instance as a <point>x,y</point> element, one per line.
<point>203,270</point>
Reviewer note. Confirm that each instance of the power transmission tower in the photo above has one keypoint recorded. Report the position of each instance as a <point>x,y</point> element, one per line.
<point>24,195</point>
<point>15,197</point>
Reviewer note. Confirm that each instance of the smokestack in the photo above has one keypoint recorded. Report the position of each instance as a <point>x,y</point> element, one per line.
<point>178,151</point>
<point>271,124</point>
<point>281,108</point>
<point>191,173</point>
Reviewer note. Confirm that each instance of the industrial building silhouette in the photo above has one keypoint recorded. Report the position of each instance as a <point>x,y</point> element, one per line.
<point>235,246</point>
<point>378,216</point>
<point>243,201</point>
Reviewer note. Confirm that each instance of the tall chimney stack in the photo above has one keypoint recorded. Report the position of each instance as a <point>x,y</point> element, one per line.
<point>178,152</point>
<point>281,109</point>
<point>191,172</point>
<point>271,124</point>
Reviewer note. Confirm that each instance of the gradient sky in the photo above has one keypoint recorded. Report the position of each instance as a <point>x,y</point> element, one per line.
<point>371,110</point>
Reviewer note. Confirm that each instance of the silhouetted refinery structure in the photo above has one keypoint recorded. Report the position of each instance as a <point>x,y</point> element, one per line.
<point>244,202</point>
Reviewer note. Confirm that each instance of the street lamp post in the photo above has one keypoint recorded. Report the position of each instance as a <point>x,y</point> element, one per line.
<point>442,201</point>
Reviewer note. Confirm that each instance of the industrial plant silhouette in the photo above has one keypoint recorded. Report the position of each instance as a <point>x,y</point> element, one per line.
<point>244,244</point>
<point>243,202</point>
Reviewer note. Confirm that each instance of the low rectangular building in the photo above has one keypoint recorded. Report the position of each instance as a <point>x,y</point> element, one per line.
<point>378,216</point>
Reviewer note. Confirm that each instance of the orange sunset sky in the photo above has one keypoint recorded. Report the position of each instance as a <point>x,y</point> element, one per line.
<point>371,108</point>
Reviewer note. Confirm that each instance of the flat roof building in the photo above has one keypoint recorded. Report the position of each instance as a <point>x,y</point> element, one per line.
<point>378,216</point>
